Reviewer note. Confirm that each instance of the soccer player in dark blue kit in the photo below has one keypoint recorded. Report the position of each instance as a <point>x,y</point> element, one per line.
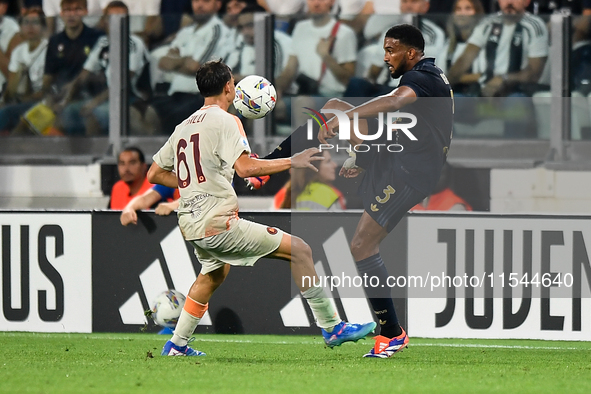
<point>394,181</point>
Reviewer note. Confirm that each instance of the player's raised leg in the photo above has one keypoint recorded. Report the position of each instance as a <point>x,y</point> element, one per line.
<point>195,307</point>
<point>334,330</point>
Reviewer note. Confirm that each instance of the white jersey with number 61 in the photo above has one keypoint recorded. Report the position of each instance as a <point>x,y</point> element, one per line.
<point>202,152</point>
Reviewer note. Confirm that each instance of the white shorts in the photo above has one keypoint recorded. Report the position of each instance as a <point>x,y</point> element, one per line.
<point>242,245</point>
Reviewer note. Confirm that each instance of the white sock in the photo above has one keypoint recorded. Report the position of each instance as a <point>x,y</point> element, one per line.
<point>324,312</point>
<point>185,328</point>
<point>190,317</point>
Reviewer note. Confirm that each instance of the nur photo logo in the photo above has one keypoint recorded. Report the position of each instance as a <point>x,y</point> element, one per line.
<point>393,122</point>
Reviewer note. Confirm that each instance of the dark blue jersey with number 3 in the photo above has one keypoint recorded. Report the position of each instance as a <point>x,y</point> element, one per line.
<point>420,162</point>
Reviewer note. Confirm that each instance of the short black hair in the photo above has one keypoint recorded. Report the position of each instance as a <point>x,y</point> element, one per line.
<point>116,4</point>
<point>252,8</point>
<point>83,3</point>
<point>136,150</point>
<point>212,77</point>
<point>32,10</point>
<point>407,35</point>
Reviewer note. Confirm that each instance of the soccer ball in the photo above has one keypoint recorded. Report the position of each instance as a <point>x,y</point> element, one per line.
<point>255,97</point>
<point>167,308</point>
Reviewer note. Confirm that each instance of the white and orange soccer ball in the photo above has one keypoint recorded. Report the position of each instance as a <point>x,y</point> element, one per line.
<point>167,307</point>
<point>255,97</point>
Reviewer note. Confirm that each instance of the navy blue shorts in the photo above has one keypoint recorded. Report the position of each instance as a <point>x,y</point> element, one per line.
<point>389,206</point>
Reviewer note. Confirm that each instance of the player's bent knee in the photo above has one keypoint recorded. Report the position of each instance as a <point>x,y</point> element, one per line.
<point>300,250</point>
<point>362,249</point>
<point>355,247</point>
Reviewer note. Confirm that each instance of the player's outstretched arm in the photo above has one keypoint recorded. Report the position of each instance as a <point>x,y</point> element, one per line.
<point>158,175</point>
<point>305,158</point>
<point>399,98</point>
<point>247,166</point>
<point>145,201</point>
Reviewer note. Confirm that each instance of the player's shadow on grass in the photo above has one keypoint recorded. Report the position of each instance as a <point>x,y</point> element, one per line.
<point>227,322</point>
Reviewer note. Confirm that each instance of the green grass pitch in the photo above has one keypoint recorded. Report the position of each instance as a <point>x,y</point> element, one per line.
<point>123,363</point>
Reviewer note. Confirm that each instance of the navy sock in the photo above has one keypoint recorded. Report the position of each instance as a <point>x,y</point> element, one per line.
<point>380,297</point>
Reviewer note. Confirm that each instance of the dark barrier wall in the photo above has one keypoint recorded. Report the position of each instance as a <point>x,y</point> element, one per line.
<point>132,264</point>
<point>513,276</point>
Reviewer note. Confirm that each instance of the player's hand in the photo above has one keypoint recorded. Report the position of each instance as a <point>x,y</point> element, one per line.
<point>327,133</point>
<point>349,168</point>
<point>256,182</point>
<point>128,217</point>
<point>305,158</point>
<point>350,172</point>
<point>164,209</point>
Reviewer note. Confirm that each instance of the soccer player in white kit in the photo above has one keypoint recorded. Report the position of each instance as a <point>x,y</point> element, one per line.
<point>200,157</point>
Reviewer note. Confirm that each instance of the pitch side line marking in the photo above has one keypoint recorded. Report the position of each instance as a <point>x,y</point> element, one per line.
<point>475,345</point>
<point>467,345</point>
<point>318,342</point>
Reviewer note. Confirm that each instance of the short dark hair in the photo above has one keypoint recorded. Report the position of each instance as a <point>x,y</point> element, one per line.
<point>116,4</point>
<point>136,150</point>
<point>83,3</point>
<point>212,77</point>
<point>252,8</point>
<point>407,35</point>
<point>32,10</point>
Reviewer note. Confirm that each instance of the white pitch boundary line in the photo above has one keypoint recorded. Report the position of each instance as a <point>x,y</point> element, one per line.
<point>319,342</point>
<point>459,345</point>
<point>476,345</point>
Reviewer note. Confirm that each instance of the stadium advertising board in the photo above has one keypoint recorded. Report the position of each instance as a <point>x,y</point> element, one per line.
<point>132,265</point>
<point>46,272</point>
<point>485,276</point>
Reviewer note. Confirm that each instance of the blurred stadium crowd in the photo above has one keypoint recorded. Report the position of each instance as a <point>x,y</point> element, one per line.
<point>54,55</point>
